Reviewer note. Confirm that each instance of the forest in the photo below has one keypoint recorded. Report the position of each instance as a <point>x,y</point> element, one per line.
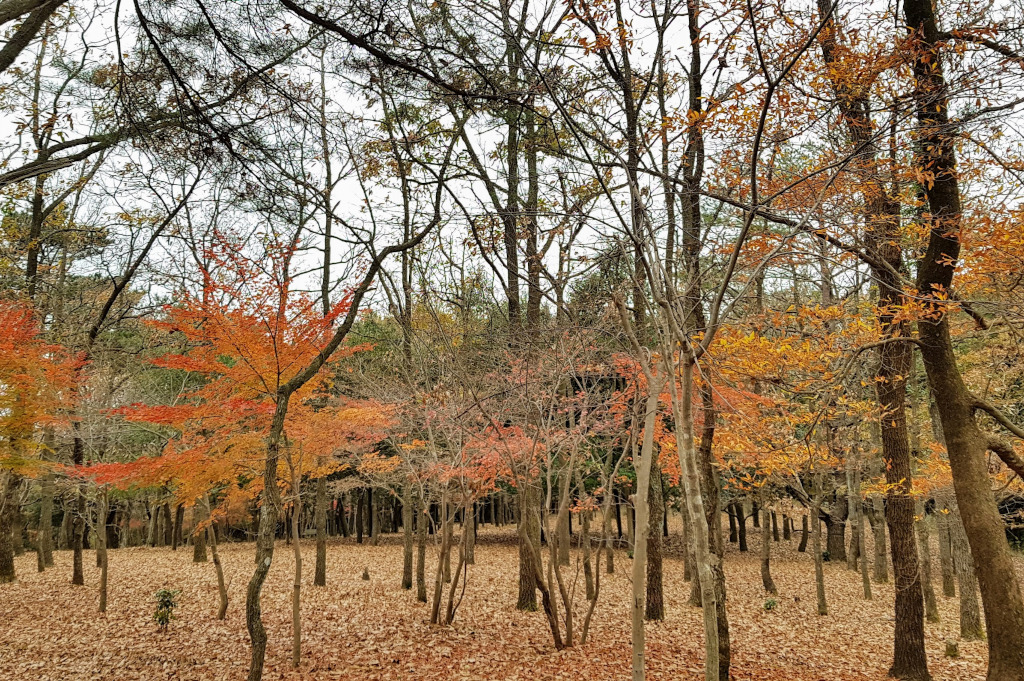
<point>515,339</point>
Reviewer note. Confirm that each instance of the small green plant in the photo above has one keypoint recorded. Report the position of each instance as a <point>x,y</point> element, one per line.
<point>826,556</point>
<point>166,602</point>
<point>770,604</point>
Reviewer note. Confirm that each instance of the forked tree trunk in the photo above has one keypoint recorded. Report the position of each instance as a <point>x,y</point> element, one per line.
<point>706,562</point>
<point>643,523</point>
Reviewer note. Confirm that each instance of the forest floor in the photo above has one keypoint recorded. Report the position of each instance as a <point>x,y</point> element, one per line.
<point>355,629</point>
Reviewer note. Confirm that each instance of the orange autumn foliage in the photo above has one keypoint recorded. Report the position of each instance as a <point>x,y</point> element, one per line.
<point>247,334</point>
<point>34,380</point>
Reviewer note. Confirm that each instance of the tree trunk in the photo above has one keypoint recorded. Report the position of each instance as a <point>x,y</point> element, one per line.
<point>766,555</point>
<point>168,528</point>
<point>802,548</point>
<point>931,608</point>
<point>46,490</point>
<point>563,526</point>
<point>421,550</point>
<point>819,571</point>
<point>741,521</point>
<point>836,540</point>
<point>296,578</point>
<point>655,607</point>
<point>469,528</point>
<point>222,590</point>
<point>407,540</point>
<point>733,531</point>
<point>787,528</point>
<point>360,498</point>
<point>198,535</point>
<point>101,547</point>
<point>529,532</point>
<point>881,574</point>
<point>320,519</point>
<point>643,525</point>
<point>967,582</point>
<point>966,443</point>
<point>946,553</point>
<point>372,517</point>
<point>9,486</point>
<point>78,538</point>
<point>179,520</point>
<point>264,546</point>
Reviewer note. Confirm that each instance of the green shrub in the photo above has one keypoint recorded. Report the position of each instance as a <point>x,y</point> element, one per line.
<point>770,604</point>
<point>166,602</point>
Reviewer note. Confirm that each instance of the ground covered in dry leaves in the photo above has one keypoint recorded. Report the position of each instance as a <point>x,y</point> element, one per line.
<point>355,629</point>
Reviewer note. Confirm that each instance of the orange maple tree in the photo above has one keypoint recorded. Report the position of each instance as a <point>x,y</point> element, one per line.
<point>246,334</point>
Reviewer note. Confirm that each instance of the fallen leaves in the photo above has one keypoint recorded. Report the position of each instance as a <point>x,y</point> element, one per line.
<point>355,629</point>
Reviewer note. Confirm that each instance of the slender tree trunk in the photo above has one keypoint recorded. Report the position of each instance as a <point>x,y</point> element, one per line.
<point>881,574</point>
<point>101,547</point>
<point>802,548</point>
<point>179,520</point>
<point>78,539</point>
<point>741,521</point>
<point>946,554</point>
<point>819,570</point>
<point>359,515</point>
<point>924,549</point>
<point>320,519</point>
<point>469,527</point>
<point>529,532</point>
<point>8,487</point>
<point>46,490</point>
<point>421,551</point>
<point>222,590</point>
<point>766,556</point>
<point>655,605</point>
<point>407,540</point>
<point>296,579</point>
<point>733,531</point>
<point>642,527</point>
<point>198,535</point>
<point>970,613</point>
